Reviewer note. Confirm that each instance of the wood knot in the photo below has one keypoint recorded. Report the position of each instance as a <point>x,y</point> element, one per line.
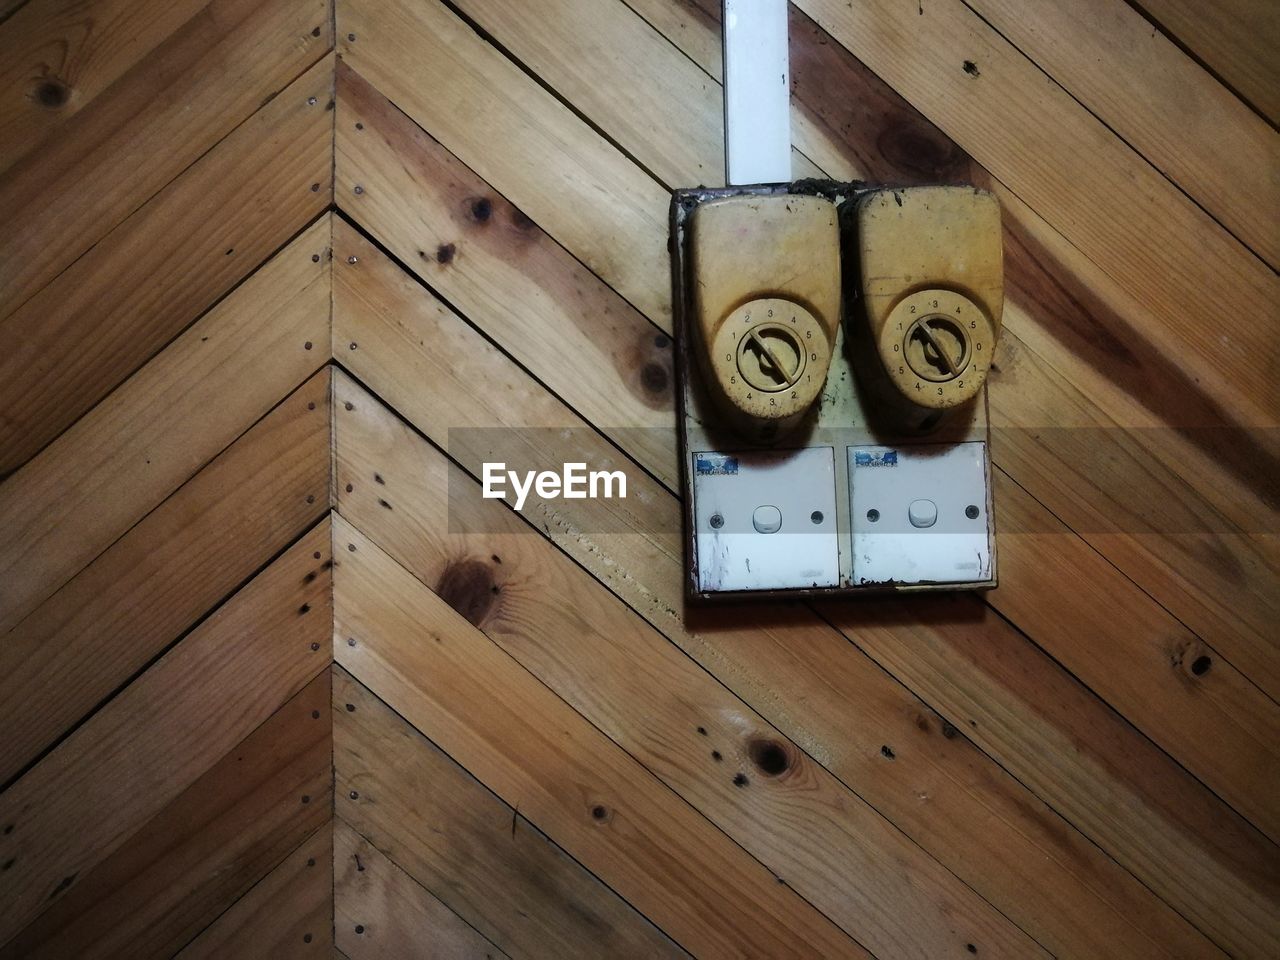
<point>912,148</point>
<point>445,252</point>
<point>521,220</point>
<point>654,378</point>
<point>468,587</point>
<point>481,209</point>
<point>770,756</point>
<point>1194,658</point>
<point>53,93</point>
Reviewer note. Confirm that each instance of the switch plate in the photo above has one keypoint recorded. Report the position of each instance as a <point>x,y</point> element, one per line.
<point>729,488</point>
<point>887,547</point>
<point>848,413</point>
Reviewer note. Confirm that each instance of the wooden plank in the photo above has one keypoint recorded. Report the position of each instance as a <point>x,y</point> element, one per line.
<point>1060,739</point>
<point>455,838</point>
<point>68,346</point>
<point>1219,151</point>
<point>132,758</point>
<point>817,687</point>
<point>1091,414</point>
<point>180,560</point>
<point>469,96</point>
<point>160,118</point>
<point>1065,164</point>
<point>288,915</point>
<point>55,58</point>
<point>532,749</point>
<point>1236,38</point>
<point>786,810</point>
<point>1214,596</point>
<point>200,854</point>
<point>503,260</point>
<point>1186,566</point>
<point>9,7</point>
<point>507,269</point>
<point>1181,119</point>
<point>108,471</point>
<point>381,911</point>
<point>1162,677</point>
<point>627,114</point>
<point>538,42</point>
<point>872,132</point>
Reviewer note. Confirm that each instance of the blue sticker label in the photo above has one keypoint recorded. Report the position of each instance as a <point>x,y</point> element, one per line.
<point>869,458</point>
<point>715,464</point>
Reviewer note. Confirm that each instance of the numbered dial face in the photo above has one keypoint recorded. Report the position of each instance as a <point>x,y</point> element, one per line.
<point>937,347</point>
<point>771,358</point>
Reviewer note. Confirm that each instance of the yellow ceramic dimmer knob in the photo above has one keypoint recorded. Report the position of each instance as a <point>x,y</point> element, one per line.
<point>766,300</point>
<point>931,276</point>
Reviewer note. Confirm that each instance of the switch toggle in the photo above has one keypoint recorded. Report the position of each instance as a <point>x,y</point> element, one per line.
<point>767,519</point>
<point>922,513</point>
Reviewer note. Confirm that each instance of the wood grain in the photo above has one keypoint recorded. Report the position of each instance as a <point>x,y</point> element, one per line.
<point>709,747</point>
<point>138,753</point>
<point>203,851</point>
<point>154,123</point>
<point>453,836</point>
<point>497,270</point>
<point>1160,102</point>
<point>179,561</point>
<point>1132,492</point>
<point>1235,38</point>
<point>469,96</point>
<point>143,283</point>
<point>801,675</point>
<point>529,747</point>
<point>381,911</point>
<point>505,268</point>
<point>56,58</point>
<point>1092,766</point>
<point>288,915</point>
<point>1091,413</point>
<point>1087,183</point>
<point>107,472</point>
<point>627,114</point>
<point>1097,478</point>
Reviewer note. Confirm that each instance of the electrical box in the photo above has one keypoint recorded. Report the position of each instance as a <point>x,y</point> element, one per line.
<point>833,344</point>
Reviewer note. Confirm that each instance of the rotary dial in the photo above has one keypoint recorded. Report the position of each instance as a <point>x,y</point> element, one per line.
<point>771,357</point>
<point>937,347</point>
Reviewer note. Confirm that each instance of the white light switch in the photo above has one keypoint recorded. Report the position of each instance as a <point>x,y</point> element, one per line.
<point>765,520</point>
<point>922,513</point>
<point>919,513</point>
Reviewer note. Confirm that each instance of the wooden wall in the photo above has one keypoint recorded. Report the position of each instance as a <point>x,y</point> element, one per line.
<point>276,680</point>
